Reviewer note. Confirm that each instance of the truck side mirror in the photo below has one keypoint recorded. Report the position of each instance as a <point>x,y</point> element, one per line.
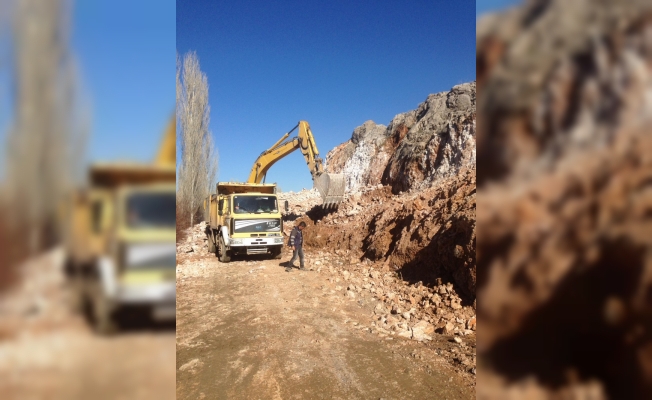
<point>287,206</point>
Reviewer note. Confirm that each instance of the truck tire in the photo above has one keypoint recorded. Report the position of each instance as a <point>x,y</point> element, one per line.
<point>104,321</point>
<point>211,243</point>
<point>224,256</point>
<point>277,254</point>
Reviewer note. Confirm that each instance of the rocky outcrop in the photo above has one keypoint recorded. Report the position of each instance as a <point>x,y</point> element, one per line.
<point>564,225</point>
<point>416,149</point>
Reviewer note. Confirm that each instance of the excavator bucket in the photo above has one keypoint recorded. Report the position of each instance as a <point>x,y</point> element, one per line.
<point>331,187</point>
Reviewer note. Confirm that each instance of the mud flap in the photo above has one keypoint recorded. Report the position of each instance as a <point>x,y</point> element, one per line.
<point>331,187</point>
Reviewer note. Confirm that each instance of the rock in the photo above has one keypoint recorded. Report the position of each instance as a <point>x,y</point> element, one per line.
<point>457,339</point>
<point>423,327</point>
<point>470,324</point>
<point>406,315</point>
<point>449,328</point>
<point>420,336</point>
<point>443,126</point>
<point>350,293</point>
<point>191,365</point>
<point>459,251</point>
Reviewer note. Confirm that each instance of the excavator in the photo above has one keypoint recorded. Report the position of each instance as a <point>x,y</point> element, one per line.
<point>245,218</point>
<point>330,186</point>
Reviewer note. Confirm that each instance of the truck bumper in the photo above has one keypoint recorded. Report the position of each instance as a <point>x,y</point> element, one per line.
<point>257,245</point>
<point>254,242</point>
<point>161,293</point>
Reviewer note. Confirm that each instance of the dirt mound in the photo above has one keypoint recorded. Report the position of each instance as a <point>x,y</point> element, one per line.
<point>194,240</point>
<point>426,236</point>
<point>564,220</point>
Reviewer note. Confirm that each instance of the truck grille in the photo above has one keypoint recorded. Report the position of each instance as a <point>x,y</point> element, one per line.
<point>257,250</point>
<point>257,226</point>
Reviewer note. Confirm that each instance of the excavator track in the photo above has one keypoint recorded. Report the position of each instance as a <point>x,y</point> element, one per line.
<point>331,187</point>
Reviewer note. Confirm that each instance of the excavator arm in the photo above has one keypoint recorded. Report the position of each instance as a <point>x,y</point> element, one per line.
<point>167,153</point>
<point>331,186</point>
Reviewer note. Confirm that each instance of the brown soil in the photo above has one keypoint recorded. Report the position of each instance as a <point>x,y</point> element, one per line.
<point>427,236</point>
<point>48,352</point>
<point>249,329</point>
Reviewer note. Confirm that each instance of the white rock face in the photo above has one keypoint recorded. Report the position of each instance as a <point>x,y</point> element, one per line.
<point>416,149</point>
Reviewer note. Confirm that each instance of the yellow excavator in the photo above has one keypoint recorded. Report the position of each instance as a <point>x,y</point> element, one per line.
<point>330,186</point>
<point>245,218</point>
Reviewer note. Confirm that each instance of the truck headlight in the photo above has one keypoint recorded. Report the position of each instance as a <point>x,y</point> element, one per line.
<point>236,241</point>
<point>278,240</point>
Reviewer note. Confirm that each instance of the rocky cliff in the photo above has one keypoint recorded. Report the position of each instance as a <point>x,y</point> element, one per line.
<point>416,149</point>
<point>564,169</point>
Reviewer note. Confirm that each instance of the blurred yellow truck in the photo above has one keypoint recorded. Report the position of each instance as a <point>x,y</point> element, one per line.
<point>120,245</point>
<point>120,239</point>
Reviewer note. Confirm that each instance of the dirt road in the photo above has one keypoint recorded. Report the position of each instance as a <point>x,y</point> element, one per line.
<point>250,330</point>
<point>47,352</point>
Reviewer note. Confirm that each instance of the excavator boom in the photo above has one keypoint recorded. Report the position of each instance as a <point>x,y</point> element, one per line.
<point>167,151</point>
<point>330,186</point>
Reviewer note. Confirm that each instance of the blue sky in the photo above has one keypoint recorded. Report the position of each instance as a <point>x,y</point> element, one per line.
<point>334,63</point>
<point>126,50</point>
<point>125,53</point>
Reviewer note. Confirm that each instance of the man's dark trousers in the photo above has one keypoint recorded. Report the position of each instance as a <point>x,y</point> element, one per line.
<point>298,250</point>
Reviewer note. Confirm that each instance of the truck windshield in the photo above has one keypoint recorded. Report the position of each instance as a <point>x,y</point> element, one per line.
<point>254,204</point>
<point>151,210</point>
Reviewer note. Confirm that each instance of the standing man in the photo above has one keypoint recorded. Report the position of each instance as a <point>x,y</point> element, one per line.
<point>296,244</point>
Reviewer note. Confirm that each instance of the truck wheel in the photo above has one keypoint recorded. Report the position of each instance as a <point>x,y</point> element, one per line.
<point>224,257</point>
<point>277,254</point>
<point>211,244</point>
<point>103,319</point>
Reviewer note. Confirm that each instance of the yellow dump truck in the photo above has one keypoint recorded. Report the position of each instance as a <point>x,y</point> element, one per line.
<point>120,239</point>
<point>244,218</point>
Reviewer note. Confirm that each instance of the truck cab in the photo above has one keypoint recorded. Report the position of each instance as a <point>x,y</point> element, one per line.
<point>121,244</point>
<point>244,218</point>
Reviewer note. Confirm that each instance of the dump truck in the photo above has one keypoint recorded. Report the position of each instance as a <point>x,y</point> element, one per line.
<point>244,218</point>
<point>120,239</point>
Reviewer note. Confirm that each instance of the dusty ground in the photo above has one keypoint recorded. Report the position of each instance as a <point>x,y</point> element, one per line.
<point>48,352</point>
<point>249,330</point>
